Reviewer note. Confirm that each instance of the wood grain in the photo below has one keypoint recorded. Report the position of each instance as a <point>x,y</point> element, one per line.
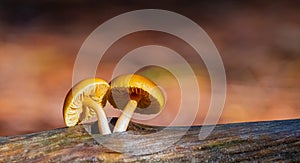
<point>257,141</point>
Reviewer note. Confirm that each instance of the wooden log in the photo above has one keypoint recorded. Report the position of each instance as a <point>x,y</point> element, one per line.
<point>257,141</point>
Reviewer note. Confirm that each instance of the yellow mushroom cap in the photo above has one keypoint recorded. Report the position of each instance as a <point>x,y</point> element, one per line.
<point>93,88</point>
<point>135,87</point>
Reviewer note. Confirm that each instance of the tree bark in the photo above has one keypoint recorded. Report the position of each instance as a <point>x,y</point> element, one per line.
<point>256,141</point>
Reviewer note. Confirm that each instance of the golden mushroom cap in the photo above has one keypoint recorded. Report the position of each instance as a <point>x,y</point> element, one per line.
<point>135,87</point>
<point>93,88</point>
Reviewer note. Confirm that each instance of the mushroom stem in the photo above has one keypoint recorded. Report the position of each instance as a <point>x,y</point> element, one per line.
<point>101,116</point>
<point>125,117</point>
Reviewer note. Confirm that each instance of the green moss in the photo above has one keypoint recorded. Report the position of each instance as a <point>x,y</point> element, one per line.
<point>222,144</point>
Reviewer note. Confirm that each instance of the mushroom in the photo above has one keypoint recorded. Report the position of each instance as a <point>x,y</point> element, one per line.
<point>134,93</point>
<point>86,100</point>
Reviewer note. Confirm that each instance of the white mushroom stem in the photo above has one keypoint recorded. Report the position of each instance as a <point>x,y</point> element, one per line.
<point>102,120</point>
<point>125,117</point>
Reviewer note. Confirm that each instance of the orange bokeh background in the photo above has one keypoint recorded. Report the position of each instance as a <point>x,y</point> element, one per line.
<point>258,42</point>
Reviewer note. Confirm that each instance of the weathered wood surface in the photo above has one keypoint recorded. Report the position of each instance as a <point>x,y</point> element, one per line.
<point>259,141</point>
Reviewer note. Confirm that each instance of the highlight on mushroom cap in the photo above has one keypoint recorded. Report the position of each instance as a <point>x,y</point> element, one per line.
<point>135,87</point>
<point>93,88</point>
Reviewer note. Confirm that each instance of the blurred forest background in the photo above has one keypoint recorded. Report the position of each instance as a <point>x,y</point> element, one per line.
<point>259,42</point>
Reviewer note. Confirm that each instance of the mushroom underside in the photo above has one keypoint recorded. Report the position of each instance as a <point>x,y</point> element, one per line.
<point>147,104</point>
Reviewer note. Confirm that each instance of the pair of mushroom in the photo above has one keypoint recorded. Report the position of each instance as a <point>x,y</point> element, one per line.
<point>130,93</point>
